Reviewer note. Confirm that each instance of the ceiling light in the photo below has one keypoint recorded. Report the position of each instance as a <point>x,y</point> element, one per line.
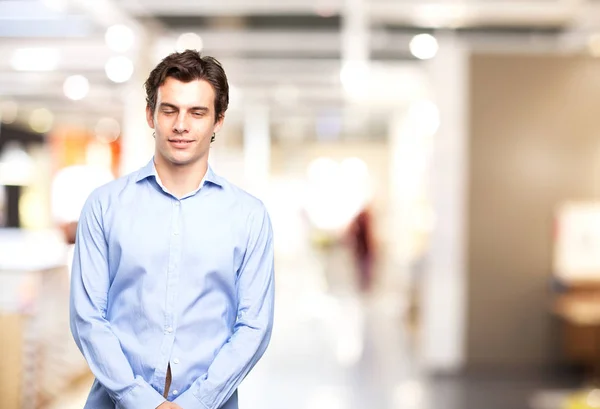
<point>41,120</point>
<point>424,46</point>
<point>189,41</point>
<point>35,59</point>
<point>76,87</point>
<point>119,69</point>
<point>119,38</point>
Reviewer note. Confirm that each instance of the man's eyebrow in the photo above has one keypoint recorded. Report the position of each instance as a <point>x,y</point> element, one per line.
<point>194,108</point>
<point>199,108</point>
<point>167,105</point>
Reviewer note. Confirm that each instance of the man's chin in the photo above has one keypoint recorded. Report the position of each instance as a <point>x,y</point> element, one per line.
<point>181,160</point>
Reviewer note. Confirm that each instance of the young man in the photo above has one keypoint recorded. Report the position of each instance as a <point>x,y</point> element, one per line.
<point>172,282</point>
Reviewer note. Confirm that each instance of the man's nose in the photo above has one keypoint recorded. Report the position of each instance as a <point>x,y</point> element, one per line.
<point>181,125</point>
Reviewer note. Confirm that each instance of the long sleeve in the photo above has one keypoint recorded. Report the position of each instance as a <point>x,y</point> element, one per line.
<point>253,327</point>
<point>90,282</point>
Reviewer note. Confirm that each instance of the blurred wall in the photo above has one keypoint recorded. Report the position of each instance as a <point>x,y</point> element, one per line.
<point>534,142</point>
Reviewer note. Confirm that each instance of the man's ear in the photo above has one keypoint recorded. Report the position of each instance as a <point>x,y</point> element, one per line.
<point>149,117</point>
<point>219,124</point>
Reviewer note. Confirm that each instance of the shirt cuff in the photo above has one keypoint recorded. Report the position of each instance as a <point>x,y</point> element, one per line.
<point>188,400</point>
<point>141,396</point>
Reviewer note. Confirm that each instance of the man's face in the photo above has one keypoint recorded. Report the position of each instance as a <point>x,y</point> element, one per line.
<point>184,121</point>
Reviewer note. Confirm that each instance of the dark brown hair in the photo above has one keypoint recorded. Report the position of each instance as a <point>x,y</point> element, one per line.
<point>189,66</point>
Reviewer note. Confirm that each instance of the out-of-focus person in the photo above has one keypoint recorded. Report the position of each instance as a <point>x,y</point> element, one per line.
<point>362,243</point>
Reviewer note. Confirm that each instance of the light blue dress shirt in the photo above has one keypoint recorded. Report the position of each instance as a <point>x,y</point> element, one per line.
<point>159,280</point>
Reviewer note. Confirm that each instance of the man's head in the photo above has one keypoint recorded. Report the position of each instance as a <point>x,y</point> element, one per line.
<point>187,96</point>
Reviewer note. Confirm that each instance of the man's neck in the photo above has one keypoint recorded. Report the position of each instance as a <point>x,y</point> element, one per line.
<point>181,180</point>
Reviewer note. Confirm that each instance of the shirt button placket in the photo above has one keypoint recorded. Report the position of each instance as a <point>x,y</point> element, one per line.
<point>173,272</point>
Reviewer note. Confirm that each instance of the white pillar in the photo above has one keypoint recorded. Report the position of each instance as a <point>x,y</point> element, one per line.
<point>257,149</point>
<point>137,144</point>
<point>408,157</point>
<point>355,53</point>
<point>355,31</point>
<point>444,308</point>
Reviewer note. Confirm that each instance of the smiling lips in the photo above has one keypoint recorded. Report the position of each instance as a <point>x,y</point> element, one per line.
<point>180,143</point>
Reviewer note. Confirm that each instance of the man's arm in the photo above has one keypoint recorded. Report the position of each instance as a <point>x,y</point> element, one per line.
<point>90,283</point>
<point>252,330</point>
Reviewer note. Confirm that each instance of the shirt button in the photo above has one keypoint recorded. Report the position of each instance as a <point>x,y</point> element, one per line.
<point>175,361</point>
<point>176,233</point>
<point>175,392</point>
<point>169,329</point>
<point>176,203</point>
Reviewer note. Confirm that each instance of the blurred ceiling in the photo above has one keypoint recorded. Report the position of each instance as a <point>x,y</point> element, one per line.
<point>287,54</point>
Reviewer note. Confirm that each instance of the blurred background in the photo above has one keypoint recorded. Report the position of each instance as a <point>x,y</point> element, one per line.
<point>432,170</point>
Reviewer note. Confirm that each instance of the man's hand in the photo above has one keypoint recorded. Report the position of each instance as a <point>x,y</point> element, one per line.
<point>169,405</point>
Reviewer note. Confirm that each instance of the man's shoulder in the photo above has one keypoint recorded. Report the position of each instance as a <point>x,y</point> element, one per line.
<point>242,197</point>
<point>107,191</point>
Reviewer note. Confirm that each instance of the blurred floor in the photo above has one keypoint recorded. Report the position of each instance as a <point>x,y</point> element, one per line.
<point>335,349</point>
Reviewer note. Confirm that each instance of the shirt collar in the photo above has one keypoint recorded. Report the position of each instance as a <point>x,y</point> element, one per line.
<point>147,171</point>
<point>150,170</point>
<point>212,177</point>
